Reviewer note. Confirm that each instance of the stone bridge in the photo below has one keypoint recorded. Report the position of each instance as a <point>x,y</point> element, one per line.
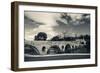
<point>44,46</point>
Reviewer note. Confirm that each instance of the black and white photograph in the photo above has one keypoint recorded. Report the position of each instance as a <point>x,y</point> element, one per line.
<point>52,36</point>
<point>56,36</point>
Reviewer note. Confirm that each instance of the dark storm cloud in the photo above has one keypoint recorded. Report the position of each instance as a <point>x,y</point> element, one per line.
<point>62,27</point>
<point>30,23</point>
<point>69,24</point>
<point>84,22</point>
<point>66,17</point>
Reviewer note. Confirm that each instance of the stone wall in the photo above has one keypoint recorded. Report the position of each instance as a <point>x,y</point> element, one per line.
<point>47,44</point>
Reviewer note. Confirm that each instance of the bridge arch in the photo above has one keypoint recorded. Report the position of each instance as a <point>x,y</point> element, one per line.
<point>31,50</point>
<point>54,50</point>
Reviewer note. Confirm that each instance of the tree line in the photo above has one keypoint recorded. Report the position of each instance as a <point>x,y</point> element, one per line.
<point>42,36</point>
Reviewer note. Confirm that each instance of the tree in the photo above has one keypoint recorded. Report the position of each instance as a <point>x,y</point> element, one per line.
<point>55,38</point>
<point>87,46</point>
<point>87,37</point>
<point>81,37</point>
<point>41,36</point>
<point>69,38</point>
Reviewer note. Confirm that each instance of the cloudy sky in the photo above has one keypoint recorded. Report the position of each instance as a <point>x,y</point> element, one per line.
<point>55,24</point>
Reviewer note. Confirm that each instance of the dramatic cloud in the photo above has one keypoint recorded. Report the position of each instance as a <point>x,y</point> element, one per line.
<point>30,23</point>
<point>55,23</point>
<point>32,28</point>
<point>73,23</point>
